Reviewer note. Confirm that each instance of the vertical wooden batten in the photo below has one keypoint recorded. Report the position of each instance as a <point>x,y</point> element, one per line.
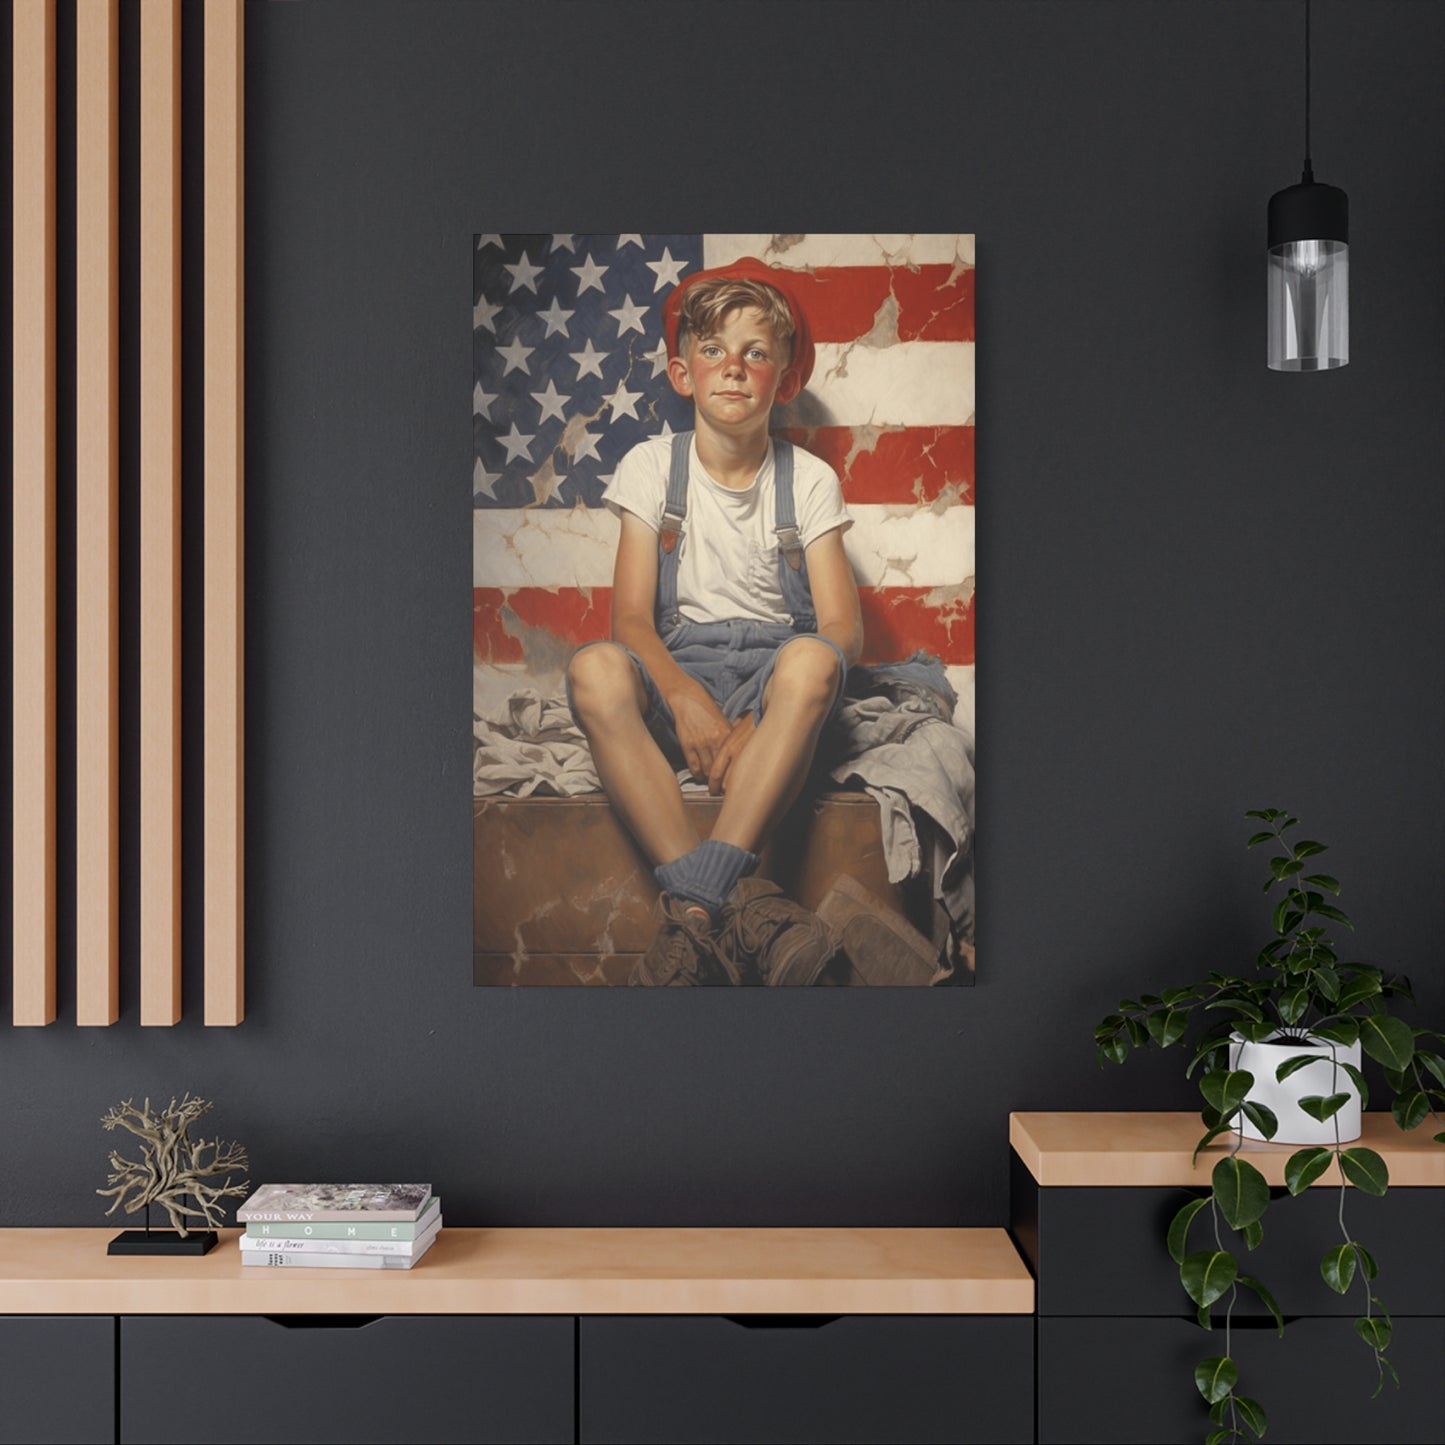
<point>160,504</point>
<point>33,502</point>
<point>97,436</point>
<point>225,512</point>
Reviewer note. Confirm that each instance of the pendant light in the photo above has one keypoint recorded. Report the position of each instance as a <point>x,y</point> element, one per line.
<point>1309,266</point>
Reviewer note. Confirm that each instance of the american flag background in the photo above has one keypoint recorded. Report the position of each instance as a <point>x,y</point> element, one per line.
<point>569,372</point>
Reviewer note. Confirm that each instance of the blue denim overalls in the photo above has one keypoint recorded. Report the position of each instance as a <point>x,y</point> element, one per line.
<point>732,659</point>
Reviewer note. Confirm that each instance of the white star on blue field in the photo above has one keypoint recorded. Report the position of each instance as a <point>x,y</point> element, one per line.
<point>569,366</point>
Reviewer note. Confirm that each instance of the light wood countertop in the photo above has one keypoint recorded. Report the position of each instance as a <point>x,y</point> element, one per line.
<point>1112,1149</point>
<point>543,1271</point>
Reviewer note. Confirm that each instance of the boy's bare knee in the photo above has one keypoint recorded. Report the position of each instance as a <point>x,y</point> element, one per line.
<point>602,678</point>
<point>806,671</point>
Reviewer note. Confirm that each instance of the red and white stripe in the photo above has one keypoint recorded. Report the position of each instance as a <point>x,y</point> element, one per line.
<point>890,407</point>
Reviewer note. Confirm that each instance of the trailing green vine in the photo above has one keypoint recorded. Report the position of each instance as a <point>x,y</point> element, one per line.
<point>1300,993</point>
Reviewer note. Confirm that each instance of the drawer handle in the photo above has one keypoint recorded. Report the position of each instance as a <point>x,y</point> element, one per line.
<point>322,1322</point>
<point>782,1322</point>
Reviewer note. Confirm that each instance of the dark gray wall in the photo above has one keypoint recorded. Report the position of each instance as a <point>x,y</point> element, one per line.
<point>1205,587</point>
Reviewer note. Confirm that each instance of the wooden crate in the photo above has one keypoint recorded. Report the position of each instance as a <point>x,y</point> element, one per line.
<point>561,894</point>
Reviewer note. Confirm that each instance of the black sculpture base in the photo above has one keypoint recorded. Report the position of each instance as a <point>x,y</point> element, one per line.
<point>162,1241</point>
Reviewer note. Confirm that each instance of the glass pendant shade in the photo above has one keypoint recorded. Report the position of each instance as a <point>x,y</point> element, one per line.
<point>1309,278</point>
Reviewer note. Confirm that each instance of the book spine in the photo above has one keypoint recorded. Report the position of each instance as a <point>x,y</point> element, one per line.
<point>405,1247</point>
<point>276,1259</point>
<point>362,1229</point>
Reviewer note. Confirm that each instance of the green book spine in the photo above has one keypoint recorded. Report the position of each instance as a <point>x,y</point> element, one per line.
<point>362,1229</point>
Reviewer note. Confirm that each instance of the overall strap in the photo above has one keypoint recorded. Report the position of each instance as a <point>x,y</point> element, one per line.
<point>671,533</point>
<point>792,564</point>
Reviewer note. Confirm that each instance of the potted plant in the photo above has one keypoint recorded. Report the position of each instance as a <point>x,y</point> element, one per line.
<point>1284,1043</point>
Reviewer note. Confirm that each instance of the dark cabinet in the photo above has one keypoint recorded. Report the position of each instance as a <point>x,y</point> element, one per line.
<point>1117,1342</point>
<point>785,1379</point>
<point>415,1378</point>
<point>57,1380</point>
<point>1119,1380</point>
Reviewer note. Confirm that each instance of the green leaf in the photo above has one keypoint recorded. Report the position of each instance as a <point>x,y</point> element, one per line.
<point>1226,1089</point>
<point>1253,1234</point>
<point>1106,1028</point>
<point>1237,1005</point>
<point>1202,1315</point>
<point>1283,868</point>
<point>1215,1130</point>
<point>1216,1377</point>
<point>1365,1170</point>
<point>1398,1079</point>
<point>1304,1166</point>
<point>1178,1237</point>
<point>1207,1274</point>
<point>1262,1117</point>
<point>1166,1026</point>
<point>1256,1033</point>
<point>1338,1267</point>
<point>1327,981</point>
<point>1308,848</point>
<point>1439,1138</point>
<point>1321,1108</point>
<point>1253,1413</point>
<point>1387,1040</point>
<point>1374,1332</point>
<point>1358,1080</point>
<point>1294,1064</point>
<point>1218,1437</point>
<point>1218,1411</point>
<point>1323,880</point>
<point>1292,1004</point>
<point>1150,1000</point>
<point>1270,1303</point>
<point>1357,990</point>
<point>1138,1034</point>
<point>1207,1047</point>
<point>1367,1263</point>
<point>1240,1191</point>
<point>1433,1062</point>
<point>1277,922</point>
<point>1328,910</point>
<point>1411,1110</point>
<point>1345,1033</point>
<point>1258,838</point>
<point>1116,1050</point>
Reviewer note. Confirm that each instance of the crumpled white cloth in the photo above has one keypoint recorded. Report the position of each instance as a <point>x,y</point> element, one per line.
<point>537,749</point>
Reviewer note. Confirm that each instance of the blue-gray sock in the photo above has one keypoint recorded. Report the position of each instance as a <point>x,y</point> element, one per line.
<point>706,875</point>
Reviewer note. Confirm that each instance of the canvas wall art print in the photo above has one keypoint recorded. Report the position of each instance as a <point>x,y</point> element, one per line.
<point>723,610</point>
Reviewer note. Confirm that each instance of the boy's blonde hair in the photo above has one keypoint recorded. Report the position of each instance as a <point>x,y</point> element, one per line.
<point>709,302</point>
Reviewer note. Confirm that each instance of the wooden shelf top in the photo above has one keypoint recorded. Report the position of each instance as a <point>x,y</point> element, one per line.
<point>1112,1149</point>
<point>543,1271</point>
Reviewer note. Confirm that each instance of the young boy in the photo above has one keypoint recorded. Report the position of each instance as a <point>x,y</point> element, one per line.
<point>734,621</point>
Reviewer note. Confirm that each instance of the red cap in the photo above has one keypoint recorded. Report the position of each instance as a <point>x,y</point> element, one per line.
<point>749,268</point>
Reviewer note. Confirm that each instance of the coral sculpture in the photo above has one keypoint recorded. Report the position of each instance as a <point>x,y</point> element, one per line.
<point>172,1165</point>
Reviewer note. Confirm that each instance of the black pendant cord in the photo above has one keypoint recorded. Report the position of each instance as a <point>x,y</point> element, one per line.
<point>1309,172</point>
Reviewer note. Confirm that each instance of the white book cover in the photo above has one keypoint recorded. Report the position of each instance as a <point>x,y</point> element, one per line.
<point>412,1247</point>
<point>310,1259</point>
<point>310,1203</point>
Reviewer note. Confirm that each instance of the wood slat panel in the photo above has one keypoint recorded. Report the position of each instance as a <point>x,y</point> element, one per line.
<point>97,434</point>
<point>33,382</point>
<point>160,512</point>
<point>225,514</point>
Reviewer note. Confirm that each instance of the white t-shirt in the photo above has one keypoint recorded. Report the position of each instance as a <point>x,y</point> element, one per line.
<point>729,562</point>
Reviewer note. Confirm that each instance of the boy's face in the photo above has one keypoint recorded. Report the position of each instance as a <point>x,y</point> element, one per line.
<point>735,375</point>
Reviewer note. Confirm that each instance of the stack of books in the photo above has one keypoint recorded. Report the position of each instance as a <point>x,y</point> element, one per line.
<point>339,1226</point>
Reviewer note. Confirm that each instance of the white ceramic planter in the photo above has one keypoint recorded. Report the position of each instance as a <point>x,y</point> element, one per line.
<point>1295,1126</point>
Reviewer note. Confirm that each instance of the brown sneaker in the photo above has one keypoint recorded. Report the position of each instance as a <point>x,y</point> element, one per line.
<point>685,950</point>
<point>766,935</point>
<point>883,947</point>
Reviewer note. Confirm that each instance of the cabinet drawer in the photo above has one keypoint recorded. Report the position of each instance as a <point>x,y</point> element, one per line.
<point>1132,1380</point>
<point>1101,1251</point>
<point>345,1378</point>
<point>57,1380</point>
<point>781,1379</point>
